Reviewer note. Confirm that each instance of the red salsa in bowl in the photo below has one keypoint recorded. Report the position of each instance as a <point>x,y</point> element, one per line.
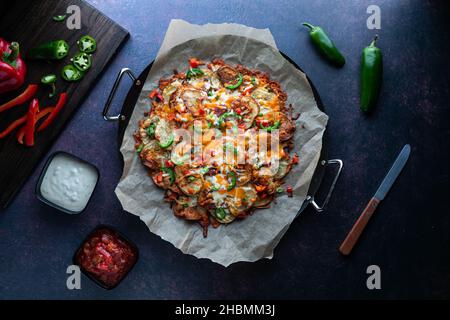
<point>106,256</point>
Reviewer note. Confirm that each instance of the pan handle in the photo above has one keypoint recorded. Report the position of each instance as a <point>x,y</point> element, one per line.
<point>333,184</point>
<point>136,82</point>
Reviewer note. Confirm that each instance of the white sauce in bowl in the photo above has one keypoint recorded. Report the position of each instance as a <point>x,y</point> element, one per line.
<point>68,182</point>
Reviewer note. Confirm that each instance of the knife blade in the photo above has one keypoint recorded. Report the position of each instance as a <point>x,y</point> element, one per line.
<point>393,173</point>
<point>352,237</point>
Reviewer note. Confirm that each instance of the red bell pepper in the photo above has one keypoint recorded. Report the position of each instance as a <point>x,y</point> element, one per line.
<point>31,122</point>
<point>12,126</point>
<point>40,115</point>
<point>289,191</point>
<point>155,94</point>
<point>59,105</point>
<point>194,63</point>
<point>12,67</point>
<point>29,93</point>
<point>247,91</point>
<point>169,164</point>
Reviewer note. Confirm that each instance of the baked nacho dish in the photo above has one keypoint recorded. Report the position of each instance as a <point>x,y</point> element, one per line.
<point>217,138</point>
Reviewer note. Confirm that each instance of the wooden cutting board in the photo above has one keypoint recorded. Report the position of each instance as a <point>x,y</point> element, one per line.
<point>30,23</point>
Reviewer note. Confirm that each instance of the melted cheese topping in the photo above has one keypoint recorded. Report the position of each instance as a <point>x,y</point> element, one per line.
<point>198,104</point>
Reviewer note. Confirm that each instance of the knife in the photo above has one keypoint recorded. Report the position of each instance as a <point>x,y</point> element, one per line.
<point>347,245</point>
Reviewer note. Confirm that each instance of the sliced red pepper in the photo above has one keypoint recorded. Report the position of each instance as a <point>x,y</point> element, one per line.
<point>155,94</point>
<point>31,122</point>
<point>260,188</point>
<point>289,191</point>
<point>262,122</point>
<point>247,91</point>
<point>20,134</point>
<point>12,126</point>
<point>159,177</point>
<point>295,159</point>
<point>171,116</point>
<point>59,105</point>
<point>194,63</point>
<point>40,115</point>
<point>169,164</point>
<point>29,93</point>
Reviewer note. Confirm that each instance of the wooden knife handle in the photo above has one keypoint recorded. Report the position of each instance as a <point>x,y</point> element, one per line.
<point>349,242</point>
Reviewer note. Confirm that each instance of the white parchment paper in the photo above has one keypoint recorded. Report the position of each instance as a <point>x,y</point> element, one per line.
<point>255,237</point>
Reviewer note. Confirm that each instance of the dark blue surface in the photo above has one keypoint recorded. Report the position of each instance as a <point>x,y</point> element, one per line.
<point>409,234</point>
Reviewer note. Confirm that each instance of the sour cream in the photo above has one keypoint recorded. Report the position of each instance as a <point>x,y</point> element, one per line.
<point>68,182</point>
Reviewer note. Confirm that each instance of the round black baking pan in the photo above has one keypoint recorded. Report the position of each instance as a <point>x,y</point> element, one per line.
<point>135,90</point>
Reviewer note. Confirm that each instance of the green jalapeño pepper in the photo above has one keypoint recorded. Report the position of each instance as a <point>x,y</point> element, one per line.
<point>167,143</point>
<point>230,146</point>
<point>53,50</point>
<point>82,61</point>
<point>223,117</point>
<point>71,74</point>
<point>151,130</point>
<point>50,80</point>
<point>237,84</point>
<point>371,76</point>
<point>171,174</point>
<point>87,44</point>
<point>275,126</point>
<point>220,213</point>
<point>325,46</point>
<point>232,176</point>
<point>59,18</point>
<point>194,72</point>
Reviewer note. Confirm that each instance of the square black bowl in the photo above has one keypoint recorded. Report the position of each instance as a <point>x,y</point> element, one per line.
<point>44,171</point>
<point>121,236</point>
